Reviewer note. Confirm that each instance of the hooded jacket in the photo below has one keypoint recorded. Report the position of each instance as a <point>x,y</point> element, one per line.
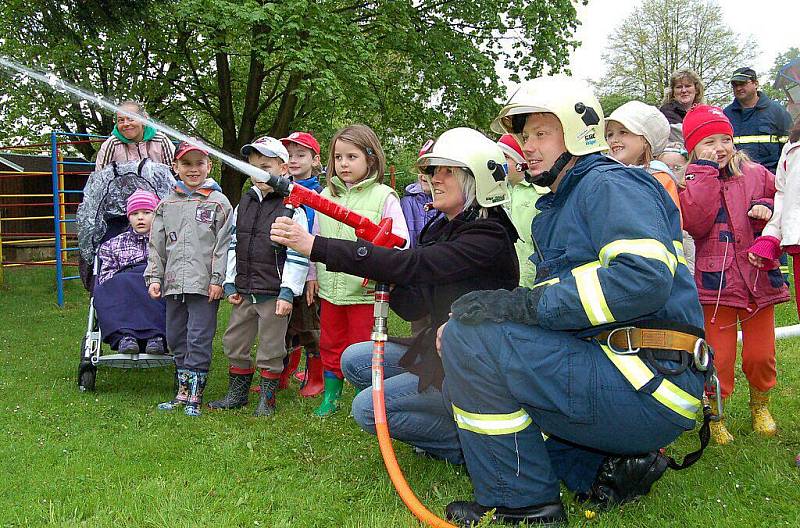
<point>785,222</point>
<point>154,145</point>
<point>189,240</point>
<point>453,257</point>
<point>715,206</point>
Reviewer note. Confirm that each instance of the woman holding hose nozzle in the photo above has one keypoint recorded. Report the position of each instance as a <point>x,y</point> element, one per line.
<point>470,246</point>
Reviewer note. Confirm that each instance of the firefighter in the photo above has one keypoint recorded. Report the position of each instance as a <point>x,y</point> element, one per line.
<point>584,376</point>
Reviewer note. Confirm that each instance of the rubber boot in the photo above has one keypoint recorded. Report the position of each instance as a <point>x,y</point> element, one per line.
<point>763,423</point>
<point>238,392</point>
<point>719,432</point>
<point>313,384</point>
<point>197,385</point>
<point>333,392</point>
<point>266,400</point>
<point>290,368</point>
<point>181,396</point>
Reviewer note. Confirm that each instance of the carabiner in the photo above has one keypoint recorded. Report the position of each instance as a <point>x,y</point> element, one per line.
<point>702,358</point>
<point>630,350</point>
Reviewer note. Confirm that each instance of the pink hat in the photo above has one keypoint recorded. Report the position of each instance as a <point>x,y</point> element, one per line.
<point>304,139</point>
<point>142,200</point>
<point>703,121</point>
<point>510,147</point>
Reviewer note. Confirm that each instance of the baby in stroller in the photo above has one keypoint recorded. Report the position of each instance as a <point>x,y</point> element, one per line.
<point>141,321</point>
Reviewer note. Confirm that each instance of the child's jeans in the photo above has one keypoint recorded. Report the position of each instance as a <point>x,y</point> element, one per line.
<point>758,345</point>
<point>191,324</point>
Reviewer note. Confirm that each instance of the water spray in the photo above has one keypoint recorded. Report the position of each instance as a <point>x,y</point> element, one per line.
<point>297,195</point>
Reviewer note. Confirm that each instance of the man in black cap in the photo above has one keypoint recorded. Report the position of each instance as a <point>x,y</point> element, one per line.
<point>760,125</point>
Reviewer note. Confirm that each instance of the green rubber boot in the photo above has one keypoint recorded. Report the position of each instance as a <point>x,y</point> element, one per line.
<point>333,392</point>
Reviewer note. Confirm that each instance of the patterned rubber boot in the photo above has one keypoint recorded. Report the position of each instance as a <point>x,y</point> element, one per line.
<point>197,385</point>
<point>333,393</point>
<point>182,396</point>
<point>290,368</point>
<point>763,423</point>
<point>238,392</point>
<point>266,400</point>
<point>719,432</point>
<point>313,382</point>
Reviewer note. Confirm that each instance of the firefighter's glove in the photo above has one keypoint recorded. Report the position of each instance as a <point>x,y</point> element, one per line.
<point>519,306</point>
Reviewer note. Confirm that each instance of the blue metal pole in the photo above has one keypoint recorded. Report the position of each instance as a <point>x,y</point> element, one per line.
<point>57,218</point>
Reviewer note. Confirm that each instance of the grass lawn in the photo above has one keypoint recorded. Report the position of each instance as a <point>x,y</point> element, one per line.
<point>110,459</point>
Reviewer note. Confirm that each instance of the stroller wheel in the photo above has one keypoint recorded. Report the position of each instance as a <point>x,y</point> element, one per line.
<point>87,374</point>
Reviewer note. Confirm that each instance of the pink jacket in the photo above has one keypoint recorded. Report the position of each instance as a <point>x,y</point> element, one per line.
<point>159,149</point>
<point>714,211</point>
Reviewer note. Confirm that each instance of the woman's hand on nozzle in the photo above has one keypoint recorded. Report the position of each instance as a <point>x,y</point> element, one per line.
<point>287,232</point>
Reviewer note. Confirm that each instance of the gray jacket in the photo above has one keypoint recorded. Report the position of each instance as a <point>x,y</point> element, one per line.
<point>189,240</point>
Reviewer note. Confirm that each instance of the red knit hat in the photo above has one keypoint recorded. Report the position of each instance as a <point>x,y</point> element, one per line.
<point>703,121</point>
<point>510,147</point>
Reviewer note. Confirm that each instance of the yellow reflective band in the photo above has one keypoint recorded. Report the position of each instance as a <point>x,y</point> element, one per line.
<point>548,282</point>
<point>632,367</point>
<point>785,270</point>
<point>643,247</point>
<point>677,399</point>
<point>491,424</point>
<point>760,139</point>
<point>591,294</point>
<point>679,251</point>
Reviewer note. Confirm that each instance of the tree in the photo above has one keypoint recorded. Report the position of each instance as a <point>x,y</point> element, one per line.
<point>227,70</point>
<point>663,36</point>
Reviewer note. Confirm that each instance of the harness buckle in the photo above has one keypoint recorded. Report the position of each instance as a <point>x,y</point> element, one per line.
<point>702,357</point>
<point>630,350</point>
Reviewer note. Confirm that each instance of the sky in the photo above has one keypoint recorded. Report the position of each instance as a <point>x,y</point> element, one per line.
<point>774,26</point>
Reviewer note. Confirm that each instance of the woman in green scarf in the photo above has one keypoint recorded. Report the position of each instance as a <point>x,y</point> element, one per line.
<point>133,140</point>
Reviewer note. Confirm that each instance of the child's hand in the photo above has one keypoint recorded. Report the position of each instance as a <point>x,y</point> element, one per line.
<point>287,232</point>
<point>283,308</point>
<point>755,260</point>
<point>235,298</point>
<point>708,154</point>
<point>312,289</point>
<point>214,292</point>
<point>154,290</point>
<point>760,212</point>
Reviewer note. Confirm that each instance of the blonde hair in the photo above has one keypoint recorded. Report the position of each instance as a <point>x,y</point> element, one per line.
<point>678,75</point>
<point>735,164</point>
<point>367,142</point>
<point>136,104</point>
<point>647,155</point>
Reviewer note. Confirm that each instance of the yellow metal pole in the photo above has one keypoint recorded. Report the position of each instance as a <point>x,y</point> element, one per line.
<point>62,208</point>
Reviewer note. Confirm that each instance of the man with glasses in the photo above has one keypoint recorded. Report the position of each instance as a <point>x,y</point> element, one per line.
<point>760,125</point>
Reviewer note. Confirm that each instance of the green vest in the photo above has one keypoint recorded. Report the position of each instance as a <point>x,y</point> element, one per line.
<point>367,199</point>
<point>522,210</point>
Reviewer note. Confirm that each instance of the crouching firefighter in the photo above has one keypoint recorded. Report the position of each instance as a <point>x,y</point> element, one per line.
<point>582,378</point>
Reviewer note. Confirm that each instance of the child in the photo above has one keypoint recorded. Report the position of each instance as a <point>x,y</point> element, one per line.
<point>416,203</point>
<point>676,158</point>
<point>260,282</point>
<point>522,208</point>
<point>188,243</point>
<point>123,329</point>
<point>783,230</point>
<point>726,201</point>
<point>304,168</point>
<point>637,133</point>
<point>356,167</point>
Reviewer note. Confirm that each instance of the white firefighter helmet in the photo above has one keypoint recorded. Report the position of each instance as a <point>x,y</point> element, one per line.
<point>469,149</point>
<point>571,100</point>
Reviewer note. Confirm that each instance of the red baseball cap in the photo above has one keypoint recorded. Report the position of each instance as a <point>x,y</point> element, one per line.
<point>304,139</point>
<point>185,146</point>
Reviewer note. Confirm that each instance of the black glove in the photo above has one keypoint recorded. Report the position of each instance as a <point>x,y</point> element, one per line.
<point>519,306</point>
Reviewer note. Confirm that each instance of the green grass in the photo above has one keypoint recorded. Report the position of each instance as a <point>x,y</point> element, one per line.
<point>110,459</point>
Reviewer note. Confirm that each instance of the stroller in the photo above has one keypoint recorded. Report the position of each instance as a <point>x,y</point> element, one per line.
<point>100,217</point>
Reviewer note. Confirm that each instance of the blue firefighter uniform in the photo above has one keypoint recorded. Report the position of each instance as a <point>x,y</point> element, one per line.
<point>760,131</point>
<point>610,255</point>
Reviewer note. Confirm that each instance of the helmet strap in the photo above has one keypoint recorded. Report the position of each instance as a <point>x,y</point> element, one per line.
<point>547,178</point>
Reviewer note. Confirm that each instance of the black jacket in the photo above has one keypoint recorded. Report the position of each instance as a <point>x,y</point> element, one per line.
<point>258,265</point>
<point>674,112</point>
<point>452,258</point>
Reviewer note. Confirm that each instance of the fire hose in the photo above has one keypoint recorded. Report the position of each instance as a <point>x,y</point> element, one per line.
<point>381,235</point>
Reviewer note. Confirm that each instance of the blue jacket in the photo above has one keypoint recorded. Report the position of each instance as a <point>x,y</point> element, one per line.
<point>767,118</point>
<point>413,205</point>
<point>610,252</point>
<point>313,184</point>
